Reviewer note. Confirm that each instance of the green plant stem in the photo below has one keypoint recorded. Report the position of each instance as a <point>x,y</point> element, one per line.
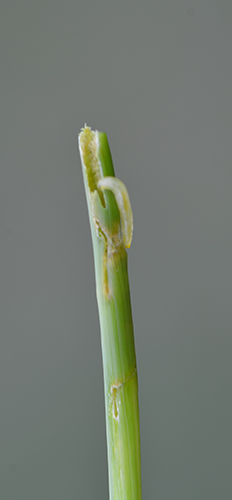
<point>109,228</point>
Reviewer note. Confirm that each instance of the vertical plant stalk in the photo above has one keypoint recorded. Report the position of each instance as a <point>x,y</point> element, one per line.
<point>111,225</point>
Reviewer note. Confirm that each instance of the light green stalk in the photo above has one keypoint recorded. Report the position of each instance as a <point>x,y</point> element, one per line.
<point>111,228</point>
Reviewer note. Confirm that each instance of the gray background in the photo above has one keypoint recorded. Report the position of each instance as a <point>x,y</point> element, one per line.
<point>156,76</point>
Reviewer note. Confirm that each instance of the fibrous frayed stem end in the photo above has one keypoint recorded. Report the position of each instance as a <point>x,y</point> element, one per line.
<point>88,146</point>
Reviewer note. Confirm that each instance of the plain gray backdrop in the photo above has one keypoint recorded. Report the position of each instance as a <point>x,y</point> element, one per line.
<point>156,77</point>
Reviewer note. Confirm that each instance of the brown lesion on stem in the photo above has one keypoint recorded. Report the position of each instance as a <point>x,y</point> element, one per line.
<point>115,391</point>
<point>113,245</point>
<point>102,234</point>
